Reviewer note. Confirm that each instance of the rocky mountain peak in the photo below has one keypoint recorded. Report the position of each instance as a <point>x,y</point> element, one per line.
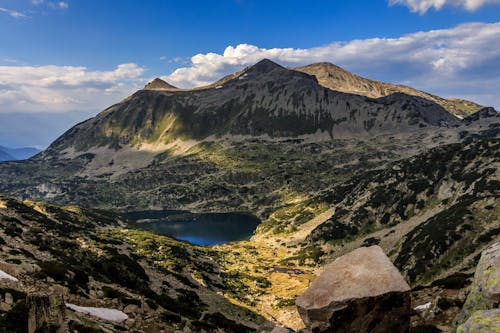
<point>264,66</point>
<point>159,84</point>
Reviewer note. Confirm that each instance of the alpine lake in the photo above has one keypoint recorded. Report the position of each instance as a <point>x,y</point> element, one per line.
<point>197,228</point>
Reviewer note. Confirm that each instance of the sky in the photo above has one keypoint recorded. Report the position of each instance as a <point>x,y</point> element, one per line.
<point>62,62</point>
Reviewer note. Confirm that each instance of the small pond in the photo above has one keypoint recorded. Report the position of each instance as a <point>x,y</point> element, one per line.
<point>200,229</point>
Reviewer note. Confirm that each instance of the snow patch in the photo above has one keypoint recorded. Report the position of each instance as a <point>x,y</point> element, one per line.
<point>103,313</point>
<point>218,87</point>
<point>423,307</point>
<point>4,275</point>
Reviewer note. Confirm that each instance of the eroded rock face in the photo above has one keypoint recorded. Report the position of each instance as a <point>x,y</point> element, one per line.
<point>485,290</point>
<point>361,291</point>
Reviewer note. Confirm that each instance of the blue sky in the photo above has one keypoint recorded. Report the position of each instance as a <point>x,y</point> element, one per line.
<point>64,61</point>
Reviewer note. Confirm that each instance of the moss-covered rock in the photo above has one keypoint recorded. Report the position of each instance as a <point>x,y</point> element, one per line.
<point>485,290</point>
<point>484,321</point>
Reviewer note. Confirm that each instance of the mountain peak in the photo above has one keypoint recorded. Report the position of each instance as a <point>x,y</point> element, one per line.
<point>264,66</point>
<point>159,84</point>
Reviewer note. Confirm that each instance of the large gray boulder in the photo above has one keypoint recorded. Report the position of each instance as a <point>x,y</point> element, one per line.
<point>485,289</point>
<point>361,291</point>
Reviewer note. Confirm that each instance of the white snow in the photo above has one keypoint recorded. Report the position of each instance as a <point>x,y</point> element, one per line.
<point>243,76</point>
<point>4,275</point>
<point>423,307</point>
<point>103,313</point>
<point>218,87</point>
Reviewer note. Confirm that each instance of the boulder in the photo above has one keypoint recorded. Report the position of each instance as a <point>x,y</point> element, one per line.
<point>361,291</point>
<point>9,299</point>
<point>131,309</point>
<point>46,313</point>
<point>483,321</point>
<point>485,289</point>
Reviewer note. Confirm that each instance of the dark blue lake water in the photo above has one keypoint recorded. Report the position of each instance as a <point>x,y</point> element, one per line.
<point>200,229</point>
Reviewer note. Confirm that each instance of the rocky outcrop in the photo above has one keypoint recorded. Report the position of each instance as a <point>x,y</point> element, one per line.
<point>46,313</point>
<point>361,291</point>
<point>485,290</point>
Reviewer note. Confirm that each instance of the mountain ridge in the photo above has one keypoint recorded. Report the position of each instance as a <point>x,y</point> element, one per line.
<point>337,78</point>
<point>265,99</point>
<point>12,154</point>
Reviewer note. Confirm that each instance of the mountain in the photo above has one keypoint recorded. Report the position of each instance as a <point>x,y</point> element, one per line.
<point>266,99</point>
<point>252,137</point>
<point>326,171</point>
<point>4,156</point>
<point>336,78</point>
<point>11,154</point>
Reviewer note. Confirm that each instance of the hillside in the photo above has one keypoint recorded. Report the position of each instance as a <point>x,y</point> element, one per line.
<point>92,260</point>
<point>432,213</point>
<point>336,78</point>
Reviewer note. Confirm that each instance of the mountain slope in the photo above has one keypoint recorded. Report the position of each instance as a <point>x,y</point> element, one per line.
<point>431,212</point>
<point>90,258</point>
<point>336,78</point>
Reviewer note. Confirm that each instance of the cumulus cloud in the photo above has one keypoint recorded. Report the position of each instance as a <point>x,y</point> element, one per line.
<point>422,6</point>
<point>12,13</point>
<point>65,88</point>
<point>463,61</point>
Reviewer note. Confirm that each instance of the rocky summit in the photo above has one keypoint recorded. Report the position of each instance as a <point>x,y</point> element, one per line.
<point>375,201</point>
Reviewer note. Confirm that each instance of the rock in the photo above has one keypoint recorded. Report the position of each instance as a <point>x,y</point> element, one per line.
<point>483,321</point>
<point>131,308</point>
<point>4,307</point>
<point>361,291</point>
<point>9,299</point>
<point>280,329</point>
<point>46,313</point>
<point>129,322</point>
<point>485,289</point>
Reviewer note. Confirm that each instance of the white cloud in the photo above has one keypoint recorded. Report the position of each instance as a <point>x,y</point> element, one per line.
<point>51,4</point>
<point>12,13</point>
<point>63,5</point>
<point>65,88</point>
<point>422,6</point>
<point>452,62</point>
